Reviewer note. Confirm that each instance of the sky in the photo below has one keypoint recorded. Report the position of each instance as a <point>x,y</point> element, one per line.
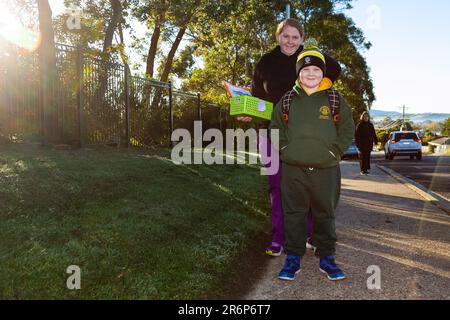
<point>410,54</point>
<point>409,59</point>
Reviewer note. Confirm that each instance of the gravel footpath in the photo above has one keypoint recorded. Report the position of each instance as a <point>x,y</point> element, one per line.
<point>380,222</point>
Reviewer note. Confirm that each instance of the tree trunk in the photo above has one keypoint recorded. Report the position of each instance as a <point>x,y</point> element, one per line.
<point>168,66</point>
<point>154,45</point>
<point>171,55</point>
<point>47,67</point>
<point>109,35</point>
<point>155,105</point>
<point>123,55</point>
<point>114,23</point>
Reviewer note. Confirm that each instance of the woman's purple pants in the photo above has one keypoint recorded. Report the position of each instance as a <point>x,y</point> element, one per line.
<point>275,198</point>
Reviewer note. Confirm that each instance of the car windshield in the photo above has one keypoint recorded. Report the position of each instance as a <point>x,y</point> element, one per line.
<point>405,135</point>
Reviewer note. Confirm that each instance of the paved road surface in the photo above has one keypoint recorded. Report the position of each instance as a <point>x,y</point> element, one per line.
<point>432,172</point>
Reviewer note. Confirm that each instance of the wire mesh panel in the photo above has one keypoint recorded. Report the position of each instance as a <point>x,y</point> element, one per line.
<point>104,101</point>
<point>65,93</point>
<point>214,116</point>
<point>149,112</point>
<point>185,110</point>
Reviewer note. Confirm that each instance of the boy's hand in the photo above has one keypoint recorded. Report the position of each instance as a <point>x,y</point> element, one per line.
<point>244,119</point>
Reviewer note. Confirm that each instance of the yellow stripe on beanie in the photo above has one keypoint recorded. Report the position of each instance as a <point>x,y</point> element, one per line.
<point>311,53</point>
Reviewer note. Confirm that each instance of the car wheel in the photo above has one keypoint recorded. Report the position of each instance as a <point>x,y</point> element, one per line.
<point>419,156</point>
<point>386,155</point>
<point>391,156</point>
<point>411,157</point>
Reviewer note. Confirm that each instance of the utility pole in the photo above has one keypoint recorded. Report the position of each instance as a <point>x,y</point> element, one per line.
<point>403,115</point>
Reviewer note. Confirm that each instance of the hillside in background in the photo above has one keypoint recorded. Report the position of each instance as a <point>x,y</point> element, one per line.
<point>379,115</point>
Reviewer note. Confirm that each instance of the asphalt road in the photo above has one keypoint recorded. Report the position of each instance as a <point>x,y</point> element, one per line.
<point>433,172</point>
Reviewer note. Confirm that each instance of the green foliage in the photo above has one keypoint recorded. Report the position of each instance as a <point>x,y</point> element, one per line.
<point>382,136</point>
<point>446,128</point>
<point>310,43</point>
<point>224,40</point>
<point>428,136</point>
<point>231,44</point>
<point>93,24</point>
<point>184,63</point>
<point>230,52</point>
<point>431,148</point>
<point>338,35</point>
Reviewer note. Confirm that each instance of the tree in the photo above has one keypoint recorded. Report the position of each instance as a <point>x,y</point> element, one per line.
<point>428,136</point>
<point>338,35</point>
<point>152,13</point>
<point>170,21</point>
<point>231,43</point>
<point>435,127</point>
<point>446,127</point>
<point>230,51</point>
<point>112,25</point>
<point>382,136</point>
<point>47,67</point>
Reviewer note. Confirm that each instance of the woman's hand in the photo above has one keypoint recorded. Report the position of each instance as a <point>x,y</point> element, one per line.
<point>244,119</point>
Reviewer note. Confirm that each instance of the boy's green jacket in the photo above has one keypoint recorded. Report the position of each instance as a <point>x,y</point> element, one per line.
<point>311,138</point>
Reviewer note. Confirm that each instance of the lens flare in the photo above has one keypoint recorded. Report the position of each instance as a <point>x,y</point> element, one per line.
<point>24,38</point>
<point>14,33</point>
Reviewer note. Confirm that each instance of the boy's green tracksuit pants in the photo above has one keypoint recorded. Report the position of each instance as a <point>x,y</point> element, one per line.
<point>303,188</point>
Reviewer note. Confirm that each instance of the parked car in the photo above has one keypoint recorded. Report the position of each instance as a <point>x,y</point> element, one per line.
<point>403,143</point>
<point>351,152</point>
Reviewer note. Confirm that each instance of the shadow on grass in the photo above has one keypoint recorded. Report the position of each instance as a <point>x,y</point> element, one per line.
<point>139,227</point>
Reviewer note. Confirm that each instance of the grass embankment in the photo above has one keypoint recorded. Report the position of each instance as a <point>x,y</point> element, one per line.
<point>138,226</point>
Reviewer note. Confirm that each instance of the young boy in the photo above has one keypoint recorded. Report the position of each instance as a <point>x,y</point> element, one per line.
<point>311,144</point>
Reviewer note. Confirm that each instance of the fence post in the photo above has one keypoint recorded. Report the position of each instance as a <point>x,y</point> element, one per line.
<point>170,114</point>
<point>220,118</point>
<point>127,108</point>
<point>199,110</point>
<point>80,96</point>
<point>42,90</point>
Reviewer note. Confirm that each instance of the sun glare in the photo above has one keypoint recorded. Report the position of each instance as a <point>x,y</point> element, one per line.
<point>13,32</point>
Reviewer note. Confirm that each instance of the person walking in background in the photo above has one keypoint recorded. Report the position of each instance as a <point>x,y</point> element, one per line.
<point>273,76</point>
<point>365,137</point>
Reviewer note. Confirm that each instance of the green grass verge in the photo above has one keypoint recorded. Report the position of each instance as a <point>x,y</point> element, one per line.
<point>138,226</point>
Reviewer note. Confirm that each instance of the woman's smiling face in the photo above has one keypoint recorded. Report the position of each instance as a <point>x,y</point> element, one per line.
<point>289,40</point>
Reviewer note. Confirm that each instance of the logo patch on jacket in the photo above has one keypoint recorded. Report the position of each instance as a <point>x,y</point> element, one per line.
<point>324,113</point>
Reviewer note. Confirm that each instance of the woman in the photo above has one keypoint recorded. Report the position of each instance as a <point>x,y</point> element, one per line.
<point>365,137</point>
<point>273,76</point>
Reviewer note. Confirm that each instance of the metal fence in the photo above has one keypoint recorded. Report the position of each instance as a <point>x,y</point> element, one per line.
<point>91,102</point>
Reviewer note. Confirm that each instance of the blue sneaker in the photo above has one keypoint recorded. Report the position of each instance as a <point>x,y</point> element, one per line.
<point>290,269</point>
<point>329,267</point>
